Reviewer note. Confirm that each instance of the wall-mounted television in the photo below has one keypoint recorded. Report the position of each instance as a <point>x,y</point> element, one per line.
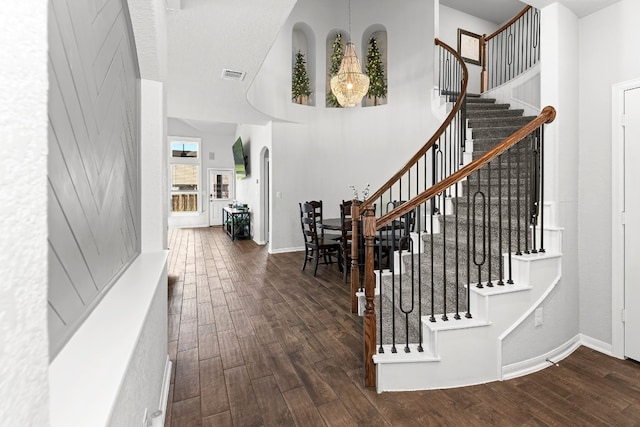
<point>239,159</point>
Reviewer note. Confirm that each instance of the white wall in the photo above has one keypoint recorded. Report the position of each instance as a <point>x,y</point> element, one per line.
<point>216,139</point>
<point>255,139</point>
<point>24,355</point>
<point>450,21</point>
<point>608,55</point>
<point>329,149</point>
<point>559,88</point>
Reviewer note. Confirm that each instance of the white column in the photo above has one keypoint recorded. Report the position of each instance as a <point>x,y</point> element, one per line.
<point>153,168</point>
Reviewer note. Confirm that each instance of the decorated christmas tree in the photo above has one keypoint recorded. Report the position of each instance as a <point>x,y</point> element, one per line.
<point>336,58</point>
<point>375,70</point>
<point>300,80</point>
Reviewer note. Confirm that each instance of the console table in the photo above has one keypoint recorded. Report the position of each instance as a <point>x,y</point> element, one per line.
<point>236,222</point>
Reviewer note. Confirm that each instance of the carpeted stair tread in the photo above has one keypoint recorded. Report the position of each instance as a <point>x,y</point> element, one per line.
<point>499,121</point>
<point>479,113</point>
<point>494,132</point>
<point>478,100</point>
<point>486,106</point>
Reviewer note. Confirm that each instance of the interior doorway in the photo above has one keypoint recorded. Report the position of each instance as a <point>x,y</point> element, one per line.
<point>631,223</point>
<point>626,220</point>
<point>265,196</point>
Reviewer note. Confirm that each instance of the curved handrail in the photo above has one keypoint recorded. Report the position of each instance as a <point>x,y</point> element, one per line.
<point>438,133</point>
<point>547,115</point>
<point>507,25</point>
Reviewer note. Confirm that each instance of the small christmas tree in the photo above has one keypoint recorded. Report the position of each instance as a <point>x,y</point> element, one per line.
<point>336,59</point>
<point>375,70</point>
<point>300,80</point>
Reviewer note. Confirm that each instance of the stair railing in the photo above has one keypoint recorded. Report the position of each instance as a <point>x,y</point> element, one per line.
<point>511,50</point>
<point>400,302</point>
<point>438,158</point>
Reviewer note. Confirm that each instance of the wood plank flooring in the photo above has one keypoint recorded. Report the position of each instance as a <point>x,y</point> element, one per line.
<point>255,341</point>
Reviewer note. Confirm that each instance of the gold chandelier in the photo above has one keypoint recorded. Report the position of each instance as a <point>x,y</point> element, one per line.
<point>350,85</point>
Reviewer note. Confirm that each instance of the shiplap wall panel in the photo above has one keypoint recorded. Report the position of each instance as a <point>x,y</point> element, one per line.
<point>94,184</point>
<point>54,323</point>
<point>67,300</point>
<point>67,256</point>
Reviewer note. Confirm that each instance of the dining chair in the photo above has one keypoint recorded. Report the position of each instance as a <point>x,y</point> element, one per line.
<point>345,237</point>
<point>316,247</point>
<point>395,236</point>
<point>318,213</point>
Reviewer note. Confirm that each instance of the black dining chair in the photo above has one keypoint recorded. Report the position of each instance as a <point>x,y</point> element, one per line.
<point>396,236</point>
<point>345,237</point>
<point>318,213</point>
<point>316,247</point>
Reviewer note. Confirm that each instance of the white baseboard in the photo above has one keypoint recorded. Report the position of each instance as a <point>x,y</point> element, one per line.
<point>595,344</point>
<point>285,250</point>
<point>164,392</point>
<point>538,363</point>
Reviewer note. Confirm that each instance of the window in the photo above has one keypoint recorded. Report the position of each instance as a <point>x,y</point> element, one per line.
<point>184,174</point>
<point>221,185</point>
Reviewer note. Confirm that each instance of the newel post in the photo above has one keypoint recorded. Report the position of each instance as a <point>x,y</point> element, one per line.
<point>484,76</point>
<point>370,333</point>
<point>355,268</point>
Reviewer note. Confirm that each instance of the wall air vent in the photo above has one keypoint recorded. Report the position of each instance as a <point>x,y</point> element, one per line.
<point>232,74</point>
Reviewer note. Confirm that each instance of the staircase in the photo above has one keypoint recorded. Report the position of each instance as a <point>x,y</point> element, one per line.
<point>500,288</point>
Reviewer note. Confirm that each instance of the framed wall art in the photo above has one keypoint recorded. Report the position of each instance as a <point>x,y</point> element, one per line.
<point>469,46</point>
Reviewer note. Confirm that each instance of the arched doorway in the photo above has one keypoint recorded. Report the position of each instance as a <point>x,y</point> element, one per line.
<point>265,195</point>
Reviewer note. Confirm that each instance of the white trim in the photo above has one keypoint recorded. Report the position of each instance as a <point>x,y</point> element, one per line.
<point>108,339</point>
<point>286,250</point>
<point>538,363</point>
<point>164,393</point>
<point>595,344</point>
<point>522,319</point>
<point>529,311</point>
<point>617,203</point>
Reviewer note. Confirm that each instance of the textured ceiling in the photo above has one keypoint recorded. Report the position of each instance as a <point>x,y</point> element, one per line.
<point>496,11</point>
<point>206,36</point>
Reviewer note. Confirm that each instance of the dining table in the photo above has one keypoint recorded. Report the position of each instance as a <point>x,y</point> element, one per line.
<point>334,224</point>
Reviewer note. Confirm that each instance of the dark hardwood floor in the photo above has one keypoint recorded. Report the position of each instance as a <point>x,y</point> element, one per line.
<point>255,341</point>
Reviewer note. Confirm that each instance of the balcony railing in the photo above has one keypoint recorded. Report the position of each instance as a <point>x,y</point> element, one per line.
<point>511,50</point>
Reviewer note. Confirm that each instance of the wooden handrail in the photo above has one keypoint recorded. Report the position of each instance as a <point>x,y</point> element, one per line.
<point>438,133</point>
<point>507,25</point>
<point>547,115</point>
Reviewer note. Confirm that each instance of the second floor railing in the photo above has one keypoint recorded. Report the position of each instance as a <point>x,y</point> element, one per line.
<point>511,50</point>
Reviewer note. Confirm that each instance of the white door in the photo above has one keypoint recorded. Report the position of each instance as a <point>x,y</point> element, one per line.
<point>221,193</point>
<point>632,223</point>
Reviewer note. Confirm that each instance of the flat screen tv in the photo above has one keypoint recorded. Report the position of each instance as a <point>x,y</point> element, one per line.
<point>239,159</point>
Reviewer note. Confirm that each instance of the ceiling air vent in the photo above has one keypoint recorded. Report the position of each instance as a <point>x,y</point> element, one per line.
<point>232,74</point>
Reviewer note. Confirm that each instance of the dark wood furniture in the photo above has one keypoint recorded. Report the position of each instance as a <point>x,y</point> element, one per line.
<point>316,248</point>
<point>236,222</point>
<point>318,213</point>
<point>345,237</point>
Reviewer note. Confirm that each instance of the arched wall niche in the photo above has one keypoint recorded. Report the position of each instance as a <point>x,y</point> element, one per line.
<point>379,32</point>
<point>303,40</point>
